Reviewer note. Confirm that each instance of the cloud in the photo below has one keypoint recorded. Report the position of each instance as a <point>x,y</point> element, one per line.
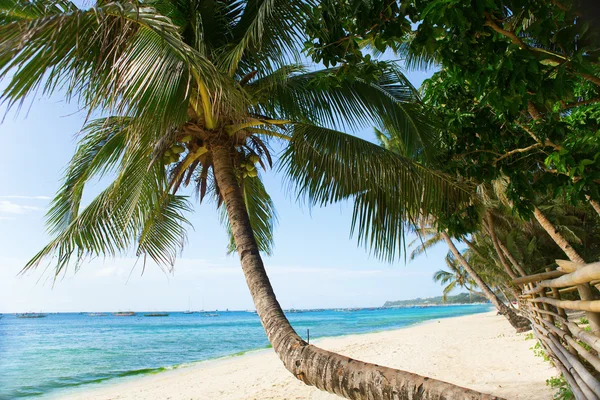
<point>14,208</point>
<point>26,197</point>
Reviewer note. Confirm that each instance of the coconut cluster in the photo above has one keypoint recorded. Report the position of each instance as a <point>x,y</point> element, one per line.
<point>173,153</point>
<point>248,167</point>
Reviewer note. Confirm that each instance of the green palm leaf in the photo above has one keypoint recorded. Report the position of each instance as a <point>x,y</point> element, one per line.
<point>389,192</point>
<point>120,57</point>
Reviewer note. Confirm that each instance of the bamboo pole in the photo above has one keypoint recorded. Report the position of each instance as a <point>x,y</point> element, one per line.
<point>557,316</point>
<point>537,277</point>
<point>582,275</point>
<point>568,266</point>
<point>589,384</point>
<point>552,328</point>
<point>585,336</point>
<point>583,353</point>
<point>564,290</point>
<point>581,305</point>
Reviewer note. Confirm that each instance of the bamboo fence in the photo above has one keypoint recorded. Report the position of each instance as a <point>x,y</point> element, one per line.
<point>557,323</point>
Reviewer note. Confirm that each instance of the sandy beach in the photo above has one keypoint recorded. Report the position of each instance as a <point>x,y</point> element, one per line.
<point>479,351</point>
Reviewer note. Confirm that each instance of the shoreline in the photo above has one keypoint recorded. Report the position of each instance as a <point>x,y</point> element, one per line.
<point>110,382</point>
<point>485,355</point>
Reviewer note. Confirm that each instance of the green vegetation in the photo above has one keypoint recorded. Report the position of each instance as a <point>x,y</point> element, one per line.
<point>462,298</point>
<point>563,390</point>
<point>497,155</point>
<point>529,336</point>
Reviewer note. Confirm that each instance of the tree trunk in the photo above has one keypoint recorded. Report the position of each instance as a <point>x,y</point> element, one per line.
<point>327,371</point>
<point>594,204</point>
<point>512,259</point>
<point>521,324</point>
<point>492,232</point>
<point>474,249</point>
<point>585,291</point>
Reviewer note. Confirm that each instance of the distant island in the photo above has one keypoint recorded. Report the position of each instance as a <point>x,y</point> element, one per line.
<point>462,298</point>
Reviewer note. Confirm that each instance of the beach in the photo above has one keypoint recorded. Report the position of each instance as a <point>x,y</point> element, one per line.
<point>479,351</point>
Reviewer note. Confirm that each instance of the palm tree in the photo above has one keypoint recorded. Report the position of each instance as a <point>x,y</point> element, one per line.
<point>195,92</point>
<point>433,236</point>
<point>457,277</point>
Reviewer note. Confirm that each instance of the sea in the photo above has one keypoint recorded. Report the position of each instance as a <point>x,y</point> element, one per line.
<point>66,352</point>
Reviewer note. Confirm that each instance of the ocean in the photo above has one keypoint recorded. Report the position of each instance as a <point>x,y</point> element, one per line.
<point>45,357</point>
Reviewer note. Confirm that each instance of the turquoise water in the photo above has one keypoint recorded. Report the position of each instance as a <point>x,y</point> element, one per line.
<point>46,356</point>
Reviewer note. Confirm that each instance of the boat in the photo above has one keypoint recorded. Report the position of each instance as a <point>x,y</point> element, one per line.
<point>211,315</point>
<point>124,314</point>
<point>31,315</point>
<point>97,314</point>
<point>189,310</point>
<point>157,314</point>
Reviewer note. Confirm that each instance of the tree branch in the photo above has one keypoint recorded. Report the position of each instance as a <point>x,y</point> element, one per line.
<point>489,21</point>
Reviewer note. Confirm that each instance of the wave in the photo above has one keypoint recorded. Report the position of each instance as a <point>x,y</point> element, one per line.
<point>65,382</point>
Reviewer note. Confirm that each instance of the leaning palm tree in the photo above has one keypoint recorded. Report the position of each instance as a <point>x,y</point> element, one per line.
<point>196,92</point>
<point>433,236</point>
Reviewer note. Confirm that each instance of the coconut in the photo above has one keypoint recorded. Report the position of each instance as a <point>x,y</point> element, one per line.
<point>253,173</point>
<point>186,138</point>
<point>253,158</point>
<point>177,149</point>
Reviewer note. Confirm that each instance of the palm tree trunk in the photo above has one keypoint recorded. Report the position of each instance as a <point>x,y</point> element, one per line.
<point>521,324</point>
<point>474,249</point>
<point>492,231</point>
<point>585,291</point>
<point>594,204</point>
<point>327,371</point>
<point>557,237</point>
<point>512,259</point>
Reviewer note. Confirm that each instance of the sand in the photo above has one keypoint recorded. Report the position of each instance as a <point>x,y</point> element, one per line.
<point>480,351</point>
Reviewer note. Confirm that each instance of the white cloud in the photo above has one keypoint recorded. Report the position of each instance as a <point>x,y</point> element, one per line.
<point>26,197</point>
<point>14,208</point>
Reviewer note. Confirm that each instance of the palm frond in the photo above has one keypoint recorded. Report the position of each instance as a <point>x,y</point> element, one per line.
<point>122,57</point>
<point>389,103</point>
<point>99,152</point>
<point>389,192</point>
<point>134,210</point>
<point>267,35</point>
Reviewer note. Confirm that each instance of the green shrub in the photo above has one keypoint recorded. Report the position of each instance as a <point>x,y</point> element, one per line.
<point>563,390</point>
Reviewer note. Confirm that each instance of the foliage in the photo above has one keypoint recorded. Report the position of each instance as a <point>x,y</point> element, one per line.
<point>538,351</point>
<point>563,390</point>
<point>180,80</point>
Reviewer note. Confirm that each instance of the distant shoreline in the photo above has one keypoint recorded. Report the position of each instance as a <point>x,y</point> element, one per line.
<point>439,305</point>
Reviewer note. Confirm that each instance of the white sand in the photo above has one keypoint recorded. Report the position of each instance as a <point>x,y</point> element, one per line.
<point>480,352</point>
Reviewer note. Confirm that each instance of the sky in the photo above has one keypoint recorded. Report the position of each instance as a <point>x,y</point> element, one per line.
<point>316,264</point>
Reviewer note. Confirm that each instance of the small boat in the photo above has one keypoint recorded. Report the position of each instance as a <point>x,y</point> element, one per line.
<point>97,314</point>
<point>31,315</point>
<point>124,314</point>
<point>189,312</point>
<point>211,315</point>
<point>156,314</point>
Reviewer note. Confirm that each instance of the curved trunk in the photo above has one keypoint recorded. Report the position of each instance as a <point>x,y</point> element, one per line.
<point>521,324</point>
<point>512,259</point>
<point>492,232</point>
<point>327,371</point>
<point>585,291</point>
<point>474,249</point>
<point>594,204</point>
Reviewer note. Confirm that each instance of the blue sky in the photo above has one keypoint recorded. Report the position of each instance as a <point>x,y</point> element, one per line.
<point>315,264</point>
